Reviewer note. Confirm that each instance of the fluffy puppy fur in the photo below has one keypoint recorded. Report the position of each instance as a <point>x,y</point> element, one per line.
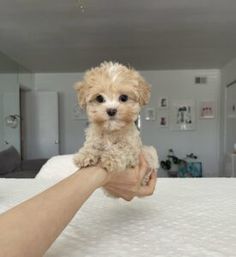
<point>113,95</point>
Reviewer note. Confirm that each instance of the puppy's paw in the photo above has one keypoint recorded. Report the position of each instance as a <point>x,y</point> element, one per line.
<point>111,164</point>
<point>86,159</point>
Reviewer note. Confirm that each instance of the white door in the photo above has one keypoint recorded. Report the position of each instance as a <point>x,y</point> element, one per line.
<point>230,118</point>
<point>11,134</point>
<point>40,128</point>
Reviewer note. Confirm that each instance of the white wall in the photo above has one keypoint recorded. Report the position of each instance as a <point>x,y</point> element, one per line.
<point>177,85</point>
<point>26,80</point>
<point>228,74</point>
<point>204,140</point>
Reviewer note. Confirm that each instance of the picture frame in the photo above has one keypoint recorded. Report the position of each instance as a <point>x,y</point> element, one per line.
<point>207,110</point>
<point>191,169</point>
<point>163,103</point>
<point>163,120</point>
<point>150,114</point>
<point>183,115</point>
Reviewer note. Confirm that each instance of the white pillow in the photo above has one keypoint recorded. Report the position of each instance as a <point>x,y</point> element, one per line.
<point>58,167</point>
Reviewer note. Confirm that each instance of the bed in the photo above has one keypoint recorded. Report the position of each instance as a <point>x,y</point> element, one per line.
<point>185,217</point>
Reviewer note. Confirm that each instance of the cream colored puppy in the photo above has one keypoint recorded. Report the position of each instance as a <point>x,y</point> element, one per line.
<point>113,95</point>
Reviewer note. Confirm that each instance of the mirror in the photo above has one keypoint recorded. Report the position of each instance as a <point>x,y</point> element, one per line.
<point>9,104</point>
<point>13,78</point>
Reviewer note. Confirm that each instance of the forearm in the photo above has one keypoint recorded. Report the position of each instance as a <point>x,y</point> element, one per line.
<point>30,228</point>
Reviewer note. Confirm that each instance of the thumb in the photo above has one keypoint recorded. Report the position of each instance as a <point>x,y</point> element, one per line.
<point>148,189</point>
<point>142,165</point>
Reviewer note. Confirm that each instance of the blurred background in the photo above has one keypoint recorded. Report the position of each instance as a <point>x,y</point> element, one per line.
<point>185,49</point>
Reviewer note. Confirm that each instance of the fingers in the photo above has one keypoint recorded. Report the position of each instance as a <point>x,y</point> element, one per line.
<point>127,184</point>
<point>143,166</point>
<point>142,161</point>
<point>153,180</point>
<point>150,187</point>
<point>124,194</point>
<point>131,192</point>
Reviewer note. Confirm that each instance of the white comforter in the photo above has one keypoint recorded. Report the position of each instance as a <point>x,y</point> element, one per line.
<point>184,218</point>
<point>58,167</point>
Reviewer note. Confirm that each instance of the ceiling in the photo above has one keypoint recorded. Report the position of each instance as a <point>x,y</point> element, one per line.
<point>72,35</point>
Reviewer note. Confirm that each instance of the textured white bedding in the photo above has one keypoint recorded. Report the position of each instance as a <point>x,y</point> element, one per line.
<point>58,167</point>
<point>184,218</point>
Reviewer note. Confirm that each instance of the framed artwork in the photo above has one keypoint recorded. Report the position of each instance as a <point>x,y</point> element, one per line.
<point>190,169</point>
<point>163,103</point>
<point>163,120</point>
<point>150,114</point>
<point>207,110</point>
<point>183,115</point>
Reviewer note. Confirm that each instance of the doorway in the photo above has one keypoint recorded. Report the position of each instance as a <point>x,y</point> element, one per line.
<point>230,138</point>
<point>40,124</point>
<point>230,130</point>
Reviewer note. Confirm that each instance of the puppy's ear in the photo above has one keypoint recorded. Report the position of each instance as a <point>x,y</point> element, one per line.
<point>144,90</point>
<point>80,88</point>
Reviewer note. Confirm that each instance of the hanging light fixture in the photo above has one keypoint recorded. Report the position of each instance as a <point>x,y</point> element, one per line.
<point>12,120</point>
<point>81,5</point>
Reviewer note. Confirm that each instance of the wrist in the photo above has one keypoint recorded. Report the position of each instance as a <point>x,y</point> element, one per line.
<point>96,175</point>
<point>100,176</point>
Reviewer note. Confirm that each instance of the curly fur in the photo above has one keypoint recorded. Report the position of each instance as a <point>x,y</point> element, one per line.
<point>114,142</point>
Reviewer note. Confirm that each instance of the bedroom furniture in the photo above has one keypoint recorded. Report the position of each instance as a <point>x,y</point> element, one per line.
<point>185,217</point>
<point>11,165</point>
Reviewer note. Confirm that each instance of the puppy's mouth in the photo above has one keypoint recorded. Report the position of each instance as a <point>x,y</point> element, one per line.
<point>112,118</point>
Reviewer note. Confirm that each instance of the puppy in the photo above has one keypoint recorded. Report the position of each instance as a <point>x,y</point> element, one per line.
<point>113,95</point>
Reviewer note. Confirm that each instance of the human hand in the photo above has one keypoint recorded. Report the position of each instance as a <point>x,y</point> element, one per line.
<point>128,184</point>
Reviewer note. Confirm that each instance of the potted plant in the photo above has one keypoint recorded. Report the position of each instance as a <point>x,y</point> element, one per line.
<point>175,166</point>
<point>171,165</point>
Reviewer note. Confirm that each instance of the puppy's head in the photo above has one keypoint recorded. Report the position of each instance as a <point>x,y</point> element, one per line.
<point>112,95</point>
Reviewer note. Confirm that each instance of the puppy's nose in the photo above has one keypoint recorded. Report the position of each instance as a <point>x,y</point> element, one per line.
<point>111,112</point>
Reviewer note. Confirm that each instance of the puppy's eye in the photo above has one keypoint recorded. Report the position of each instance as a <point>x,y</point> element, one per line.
<point>123,98</point>
<point>100,99</point>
